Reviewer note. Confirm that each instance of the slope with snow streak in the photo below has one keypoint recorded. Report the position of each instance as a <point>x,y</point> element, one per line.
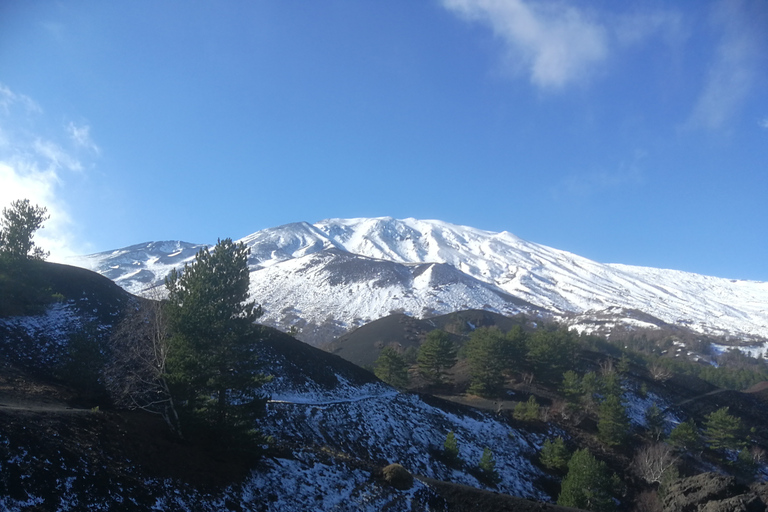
<point>337,274</point>
<point>560,281</point>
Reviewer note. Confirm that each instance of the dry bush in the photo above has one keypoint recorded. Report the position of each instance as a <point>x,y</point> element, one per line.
<point>647,501</point>
<point>398,477</point>
<point>659,372</point>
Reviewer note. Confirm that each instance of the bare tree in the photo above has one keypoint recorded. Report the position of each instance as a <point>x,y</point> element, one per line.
<point>659,372</point>
<point>136,375</point>
<point>653,460</point>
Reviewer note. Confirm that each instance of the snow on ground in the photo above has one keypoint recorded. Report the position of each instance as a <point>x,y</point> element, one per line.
<point>402,428</point>
<point>757,350</point>
<point>41,339</point>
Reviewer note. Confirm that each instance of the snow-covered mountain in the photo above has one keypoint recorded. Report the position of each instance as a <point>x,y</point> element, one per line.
<point>337,274</point>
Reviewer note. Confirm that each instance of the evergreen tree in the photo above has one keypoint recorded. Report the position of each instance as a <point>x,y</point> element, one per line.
<point>527,411</point>
<point>490,353</point>
<point>588,484</point>
<point>612,423</point>
<point>590,385</point>
<point>212,365</point>
<point>610,384</point>
<point>17,227</point>
<point>436,355</point>
<point>623,366</point>
<point>654,422</point>
<point>723,431</point>
<point>685,436</point>
<point>571,387</point>
<point>554,454</point>
<point>487,466</point>
<point>551,353</point>
<point>451,447</point>
<point>391,368</point>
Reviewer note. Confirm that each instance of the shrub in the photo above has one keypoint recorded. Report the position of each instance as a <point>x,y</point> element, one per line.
<point>527,411</point>
<point>398,477</point>
<point>554,454</point>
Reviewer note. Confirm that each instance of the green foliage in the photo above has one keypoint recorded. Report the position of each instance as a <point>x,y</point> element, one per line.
<point>734,371</point>
<point>436,355</point>
<point>723,431</point>
<point>212,365</point>
<point>588,484</point>
<point>590,385</point>
<point>391,368</point>
<point>487,466</point>
<point>490,353</point>
<point>554,455</point>
<point>571,387</point>
<point>685,436</point>
<point>410,355</point>
<point>610,384</point>
<point>17,227</point>
<point>654,422</point>
<point>451,447</point>
<point>527,411</point>
<point>745,466</point>
<point>612,423</point>
<point>667,477</point>
<point>551,352</point>
<point>623,366</point>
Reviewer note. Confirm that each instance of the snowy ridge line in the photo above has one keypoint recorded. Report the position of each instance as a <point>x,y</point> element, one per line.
<point>337,274</point>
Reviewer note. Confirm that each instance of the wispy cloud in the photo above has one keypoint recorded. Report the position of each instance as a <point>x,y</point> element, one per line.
<point>37,168</point>
<point>627,174</point>
<point>81,136</point>
<point>738,57</point>
<point>554,43</point>
<point>558,44</point>
<point>763,123</point>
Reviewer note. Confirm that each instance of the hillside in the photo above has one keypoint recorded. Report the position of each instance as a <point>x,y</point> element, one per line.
<point>328,278</point>
<point>333,426</point>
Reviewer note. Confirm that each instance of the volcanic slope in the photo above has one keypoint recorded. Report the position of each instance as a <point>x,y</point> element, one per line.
<point>327,278</point>
<point>333,426</point>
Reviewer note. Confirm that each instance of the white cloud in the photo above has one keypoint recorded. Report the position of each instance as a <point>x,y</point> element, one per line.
<point>739,56</point>
<point>37,169</point>
<point>763,123</point>
<point>556,44</point>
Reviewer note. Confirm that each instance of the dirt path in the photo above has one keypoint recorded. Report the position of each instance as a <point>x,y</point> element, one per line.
<point>28,406</point>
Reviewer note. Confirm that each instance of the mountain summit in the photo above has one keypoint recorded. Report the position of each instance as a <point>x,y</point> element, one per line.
<point>338,274</point>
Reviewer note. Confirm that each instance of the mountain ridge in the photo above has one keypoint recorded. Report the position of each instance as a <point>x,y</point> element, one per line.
<point>337,274</point>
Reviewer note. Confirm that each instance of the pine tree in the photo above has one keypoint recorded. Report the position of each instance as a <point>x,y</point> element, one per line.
<point>571,387</point>
<point>551,353</point>
<point>391,368</point>
<point>436,355</point>
<point>685,436</point>
<point>723,431</point>
<point>654,422</point>
<point>612,423</point>
<point>17,227</point>
<point>487,466</point>
<point>527,411</point>
<point>554,454</point>
<point>490,353</point>
<point>212,365</point>
<point>451,448</point>
<point>588,484</point>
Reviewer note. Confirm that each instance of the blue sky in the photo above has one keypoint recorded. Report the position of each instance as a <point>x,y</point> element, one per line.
<point>627,132</point>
